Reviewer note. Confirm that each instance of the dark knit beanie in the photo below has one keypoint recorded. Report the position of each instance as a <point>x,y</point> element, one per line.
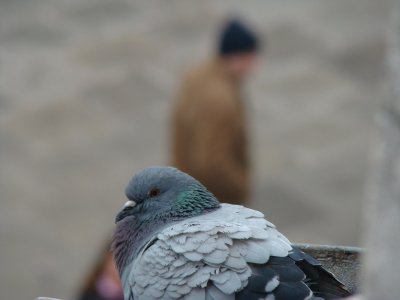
<point>237,38</point>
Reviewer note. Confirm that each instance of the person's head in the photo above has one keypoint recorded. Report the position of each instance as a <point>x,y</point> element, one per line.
<point>238,48</point>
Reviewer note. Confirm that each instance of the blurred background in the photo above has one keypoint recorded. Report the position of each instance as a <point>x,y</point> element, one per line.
<point>86,89</point>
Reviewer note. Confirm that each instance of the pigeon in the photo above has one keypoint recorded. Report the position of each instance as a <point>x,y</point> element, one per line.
<point>175,240</point>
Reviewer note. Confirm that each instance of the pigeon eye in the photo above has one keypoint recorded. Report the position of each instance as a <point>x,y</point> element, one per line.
<point>154,192</point>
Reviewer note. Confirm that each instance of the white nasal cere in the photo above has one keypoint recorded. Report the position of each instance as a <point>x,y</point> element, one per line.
<point>129,203</point>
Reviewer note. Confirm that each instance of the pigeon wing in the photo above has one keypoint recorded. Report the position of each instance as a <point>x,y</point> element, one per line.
<point>211,256</point>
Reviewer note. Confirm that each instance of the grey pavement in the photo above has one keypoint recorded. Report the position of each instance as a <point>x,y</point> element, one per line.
<point>85,94</point>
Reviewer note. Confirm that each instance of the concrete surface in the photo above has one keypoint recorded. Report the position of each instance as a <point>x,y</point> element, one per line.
<point>85,94</point>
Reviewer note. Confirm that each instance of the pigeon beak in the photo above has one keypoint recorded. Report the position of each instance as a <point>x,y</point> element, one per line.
<point>129,203</point>
<point>125,211</point>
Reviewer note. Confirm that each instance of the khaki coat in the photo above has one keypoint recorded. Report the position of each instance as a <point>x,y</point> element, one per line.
<point>209,139</point>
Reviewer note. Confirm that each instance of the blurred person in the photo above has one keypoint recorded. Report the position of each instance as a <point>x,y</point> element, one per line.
<point>209,122</point>
<point>102,282</point>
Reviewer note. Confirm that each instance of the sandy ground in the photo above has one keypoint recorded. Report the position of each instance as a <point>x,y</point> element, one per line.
<point>85,95</point>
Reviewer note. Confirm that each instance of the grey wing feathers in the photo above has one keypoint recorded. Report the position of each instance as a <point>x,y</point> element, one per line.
<point>211,252</point>
<point>278,279</point>
<point>231,253</point>
<point>294,277</point>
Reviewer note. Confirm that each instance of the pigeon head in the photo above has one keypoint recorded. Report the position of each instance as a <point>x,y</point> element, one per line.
<point>160,194</point>
<point>157,197</point>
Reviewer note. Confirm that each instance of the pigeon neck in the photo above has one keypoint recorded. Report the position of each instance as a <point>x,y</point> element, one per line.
<point>130,237</point>
<point>194,202</point>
